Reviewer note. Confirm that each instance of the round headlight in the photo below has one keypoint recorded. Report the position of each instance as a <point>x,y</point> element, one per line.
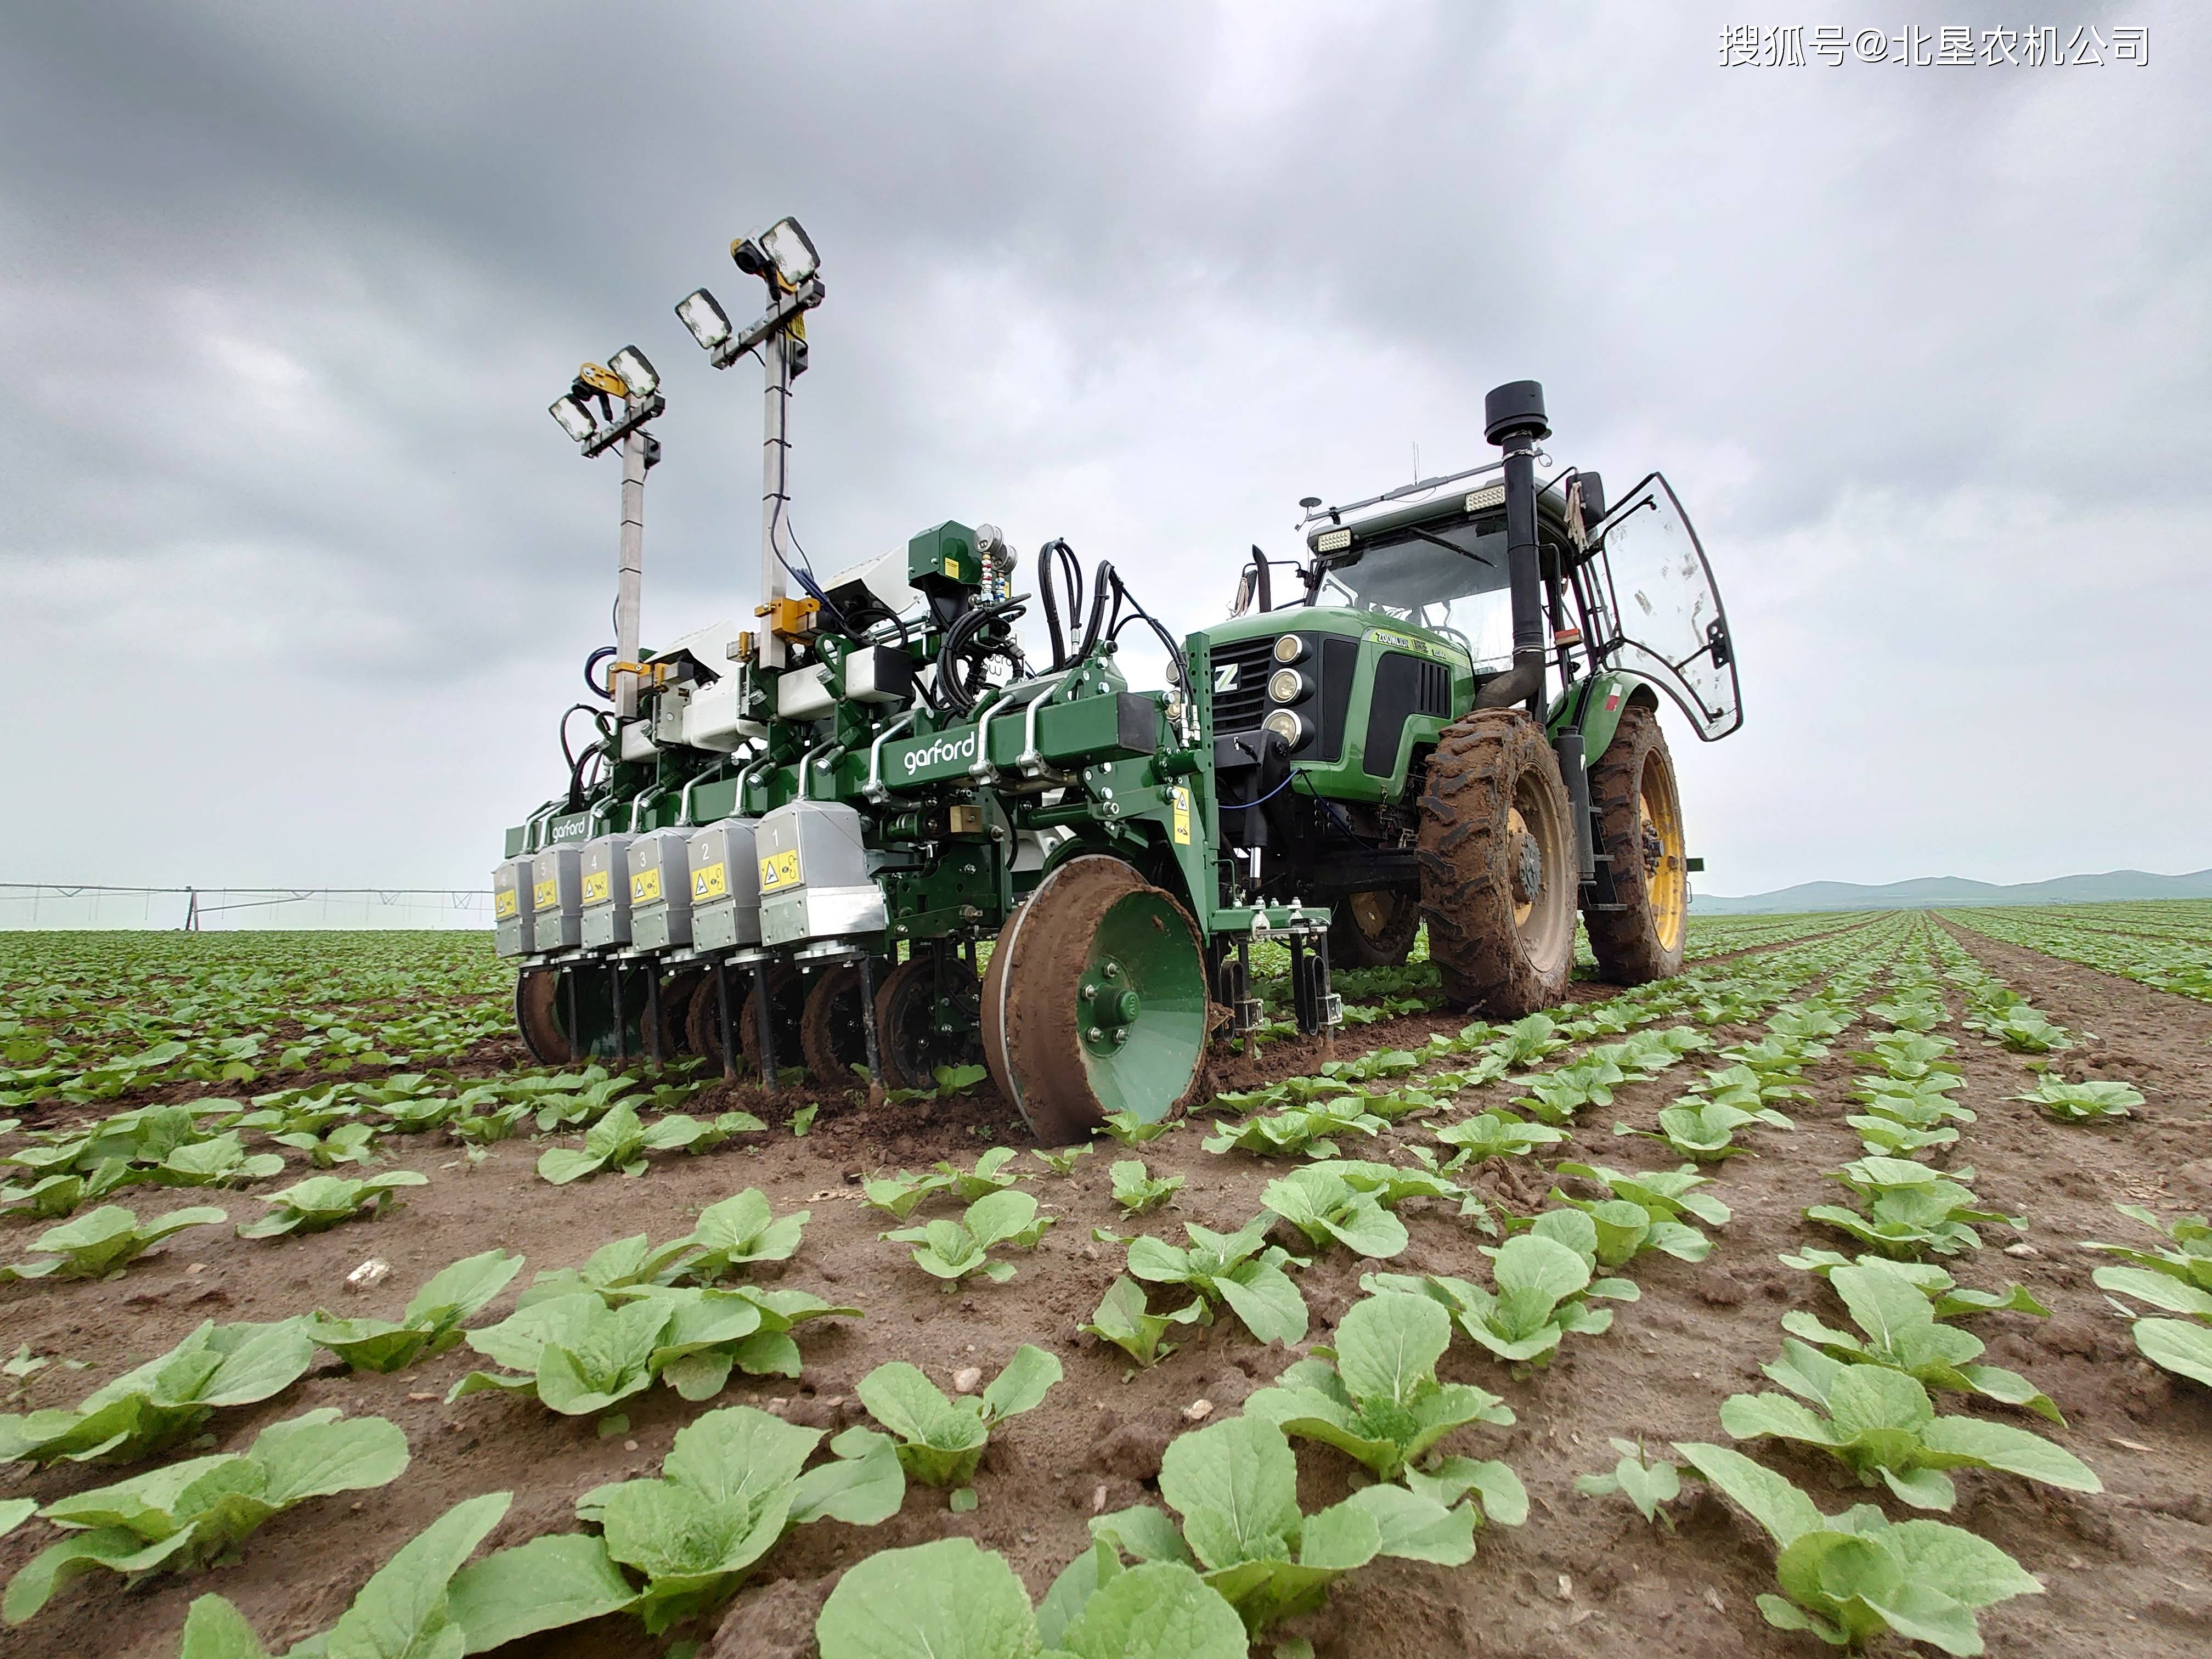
<point>1287,685</point>
<point>1290,648</point>
<point>1286,726</point>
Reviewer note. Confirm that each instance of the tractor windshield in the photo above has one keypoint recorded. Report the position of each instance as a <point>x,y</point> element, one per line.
<point>1660,613</point>
<point>1451,582</point>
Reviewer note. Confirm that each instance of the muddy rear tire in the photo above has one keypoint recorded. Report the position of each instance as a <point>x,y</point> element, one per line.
<point>1373,930</point>
<point>1095,1002</point>
<point>1498,875</point>
<point>1639,812</point>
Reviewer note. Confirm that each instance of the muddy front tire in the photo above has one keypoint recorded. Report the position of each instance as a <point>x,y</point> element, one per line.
<point>1498,874</point>
<point>1373,930</point>
<point>1639,810</point>
<point>1095,1002</point>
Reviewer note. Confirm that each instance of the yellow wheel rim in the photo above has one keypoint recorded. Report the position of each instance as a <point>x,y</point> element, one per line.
<point>1516,827</point>
<point>1667,871</point>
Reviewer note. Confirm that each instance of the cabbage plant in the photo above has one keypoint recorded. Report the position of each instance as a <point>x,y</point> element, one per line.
<point>2081,1102</point>
<point>734,1483</point>
<point>2183,1346</point>
<point>1327,1208</point>
<point>1495,1134</point>
<point>951,1597</point>
<point>403,1612</point>
<point>102,1242</point>
<point>1124,1318</point>
<point>321,1201</point>
<point>1851,1577</point>
<point>1136,1189</point>
<point>1374,1396</point>
<point>941,1439</point>
<point>739,1233</point>
<point>186,1514</point>
<point>1543,1287</point>
<point>619,1140</point>
<point>432,1322</point>
<point>1898,1326</point>
<point>1909,1208</point>
<point>579,1355</point>
<point>1298,1130</point>
<point>1948,1296</point>
<point>2190,1260</point>
<point>1883,1427</point>
<point>167,1399</point>
<point>953,1250</point>
<point>1235,1484</point>
<point>1240,1269</point>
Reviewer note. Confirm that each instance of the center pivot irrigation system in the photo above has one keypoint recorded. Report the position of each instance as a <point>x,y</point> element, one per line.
<point>787,840</point>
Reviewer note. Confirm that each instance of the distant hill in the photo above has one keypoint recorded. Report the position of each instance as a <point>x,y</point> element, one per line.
<point>1929,892</point>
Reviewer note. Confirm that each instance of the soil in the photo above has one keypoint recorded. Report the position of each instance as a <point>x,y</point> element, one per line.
<point>2127,1573</point>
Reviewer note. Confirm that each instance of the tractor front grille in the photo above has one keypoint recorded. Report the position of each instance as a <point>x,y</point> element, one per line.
<point>1239,684</point>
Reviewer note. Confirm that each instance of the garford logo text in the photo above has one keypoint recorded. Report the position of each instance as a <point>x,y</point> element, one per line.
<point>943,749</point>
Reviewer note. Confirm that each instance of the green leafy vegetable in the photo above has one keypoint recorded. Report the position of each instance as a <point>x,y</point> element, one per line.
<point>950,1598</point>
<point>1645,1481</point>
<point>185,1515</point>
<point>737,1232</point>
<point>166,1400</point>
<point>952,1250</point>
<point>1240,1269</point>
<point>733,1483</point>
<point>2081,1102</point>
<point>432,1324</point>
<point>102,1242</point>
<point>320,1201</point>
<point>1909,1208</point>
<point>1324,1206</point>
<point>1850,1578</point>
<point>1136,1189</point>
<point>1898,1329</point>
<point>1235,1484</point>
<point>1882,1426</point>
<point>1124,1319</point>
<point>402,1613</point>
<point>1496,1134</point>
<point>941,1439</point>
<point>1381,1403</point>
<point>1543,1287</point>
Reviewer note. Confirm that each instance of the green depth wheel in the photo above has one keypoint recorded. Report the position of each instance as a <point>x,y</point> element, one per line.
<point>1096,1001</point>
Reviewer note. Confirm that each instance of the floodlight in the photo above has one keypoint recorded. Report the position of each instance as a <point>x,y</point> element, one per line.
<point>639,377</point>
<point>709,323</point>
<point>792,249</point>
<point>1286,685</point>
<point>578,422</point>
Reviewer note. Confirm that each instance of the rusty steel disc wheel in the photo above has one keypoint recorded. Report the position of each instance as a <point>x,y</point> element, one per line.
<point>703,1023</point>
<point>914,1035</point>
<point>1639,810</point>
<point>1498,875</point>
<point>1096,1001</point>
<point>833,1028</point>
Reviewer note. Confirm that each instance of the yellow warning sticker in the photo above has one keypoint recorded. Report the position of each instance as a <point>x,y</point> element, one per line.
<point>953,568</point>
<point>506,903</point>
<point>709,881</point>
<point>645,886</point>
<point>596,888</point>
<point>779,870</point>
<point>1179,827</point>
<point>549,893</point>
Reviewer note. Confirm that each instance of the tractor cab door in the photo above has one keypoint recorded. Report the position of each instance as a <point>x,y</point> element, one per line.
<point>1657,611</point>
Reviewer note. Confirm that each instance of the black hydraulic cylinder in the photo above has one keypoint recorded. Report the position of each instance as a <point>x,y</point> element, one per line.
<point>1513,419</point>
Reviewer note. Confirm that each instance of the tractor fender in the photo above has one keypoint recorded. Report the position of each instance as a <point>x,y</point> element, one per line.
<point>1602,699</point>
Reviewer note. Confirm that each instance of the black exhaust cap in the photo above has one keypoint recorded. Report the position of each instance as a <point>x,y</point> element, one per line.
<point>1516,407</point>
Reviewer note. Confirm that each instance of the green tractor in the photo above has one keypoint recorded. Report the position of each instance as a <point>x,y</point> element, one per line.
<point>868,834</point>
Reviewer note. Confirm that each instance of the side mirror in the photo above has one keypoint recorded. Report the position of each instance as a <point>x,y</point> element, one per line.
<point>1242,602</point>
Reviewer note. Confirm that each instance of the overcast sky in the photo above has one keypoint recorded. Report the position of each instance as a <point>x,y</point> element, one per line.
<point>296,575</point>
